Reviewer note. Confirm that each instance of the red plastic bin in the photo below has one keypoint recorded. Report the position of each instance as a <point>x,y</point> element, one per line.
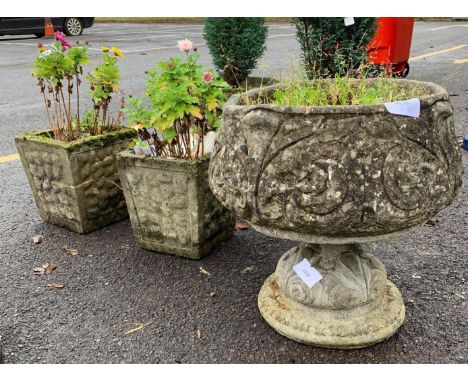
<point>392,43</point>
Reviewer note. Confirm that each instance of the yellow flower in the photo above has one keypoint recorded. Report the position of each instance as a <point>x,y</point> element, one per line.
<point>42,49</point>
<point>105,49</point>
<point>117,52</point>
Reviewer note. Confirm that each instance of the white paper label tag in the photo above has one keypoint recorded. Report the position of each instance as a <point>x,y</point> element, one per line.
<point>410,108</point>
<point>348,21</point>
<point>307,273</point>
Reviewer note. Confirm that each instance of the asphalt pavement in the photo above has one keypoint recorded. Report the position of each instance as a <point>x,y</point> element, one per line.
<point>123,304</point>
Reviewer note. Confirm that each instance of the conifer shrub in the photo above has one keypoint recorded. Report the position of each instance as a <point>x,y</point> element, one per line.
<point>235,44</point>
<point>330,48</point>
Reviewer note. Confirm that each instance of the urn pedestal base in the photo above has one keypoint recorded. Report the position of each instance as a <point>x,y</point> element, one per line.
<point>353,306</point>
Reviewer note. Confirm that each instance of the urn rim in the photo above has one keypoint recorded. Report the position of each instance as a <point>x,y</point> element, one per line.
<point>235,102</point>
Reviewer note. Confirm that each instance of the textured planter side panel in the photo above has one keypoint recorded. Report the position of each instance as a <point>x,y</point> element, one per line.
<point>165,203</point>
<point>74,186</point>
<point>51,182</point>
<point>101,201</point>
<point>213,217</point>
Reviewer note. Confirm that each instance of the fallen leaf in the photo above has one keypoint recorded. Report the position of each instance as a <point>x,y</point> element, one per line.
<point>39,271</point>
<point>56,285</point>
<point>416,276</point>
<point>241,226</point>
<point>50,268</point>
<point>248,269</point>
<point>199,335</point>
<point>46,269</point>
<point>460,295</point>
<point>70,250</point>
<point>37,239</point>
<point>204,271</point>
<point>138,327</point>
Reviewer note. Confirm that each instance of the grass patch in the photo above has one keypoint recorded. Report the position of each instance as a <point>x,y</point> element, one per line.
<point>339,91</point>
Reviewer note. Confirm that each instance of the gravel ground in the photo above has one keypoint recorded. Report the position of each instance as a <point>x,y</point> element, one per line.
<point>113,286</point>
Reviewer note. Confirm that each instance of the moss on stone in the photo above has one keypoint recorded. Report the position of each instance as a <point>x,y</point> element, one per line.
<point>101,140</point>
<point>41,135</point>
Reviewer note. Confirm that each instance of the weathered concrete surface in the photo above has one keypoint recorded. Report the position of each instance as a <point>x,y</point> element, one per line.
<point>75,184</point>
<point>337,171</point>
<point>353,306</point>
<point>336,174</point>
<point>171,206</point>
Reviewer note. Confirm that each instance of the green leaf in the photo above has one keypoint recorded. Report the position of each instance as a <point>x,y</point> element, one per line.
<point>169,134</point>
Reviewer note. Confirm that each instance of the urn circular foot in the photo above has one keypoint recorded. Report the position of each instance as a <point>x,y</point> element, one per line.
<point>347,329</point>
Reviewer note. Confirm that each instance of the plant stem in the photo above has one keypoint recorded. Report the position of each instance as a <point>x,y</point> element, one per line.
<point>69,127</point>
<point>47,109</point>
<point>78,104</point>
<point>203,138</point>
<point>69,98</point>
<point>56,128</point>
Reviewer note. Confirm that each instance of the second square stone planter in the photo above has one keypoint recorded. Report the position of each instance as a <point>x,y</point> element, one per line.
<point>171,207</point>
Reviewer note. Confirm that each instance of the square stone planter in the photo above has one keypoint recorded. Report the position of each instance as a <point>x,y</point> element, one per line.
<point>75,184</point>
<point>171,206</point>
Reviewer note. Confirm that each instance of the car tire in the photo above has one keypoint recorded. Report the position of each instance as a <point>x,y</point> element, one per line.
<point>73,26</point>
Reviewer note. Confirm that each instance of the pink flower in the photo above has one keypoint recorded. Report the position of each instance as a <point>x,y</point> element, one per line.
<point>185,45</point>
<point>59,36</point>
<point>207,77</point>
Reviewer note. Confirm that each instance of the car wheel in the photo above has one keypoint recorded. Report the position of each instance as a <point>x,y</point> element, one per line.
<point>73,26</point>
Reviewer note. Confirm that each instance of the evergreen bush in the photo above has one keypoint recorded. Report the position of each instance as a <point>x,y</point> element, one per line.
<point>330,48</point>
<point>235,44</point>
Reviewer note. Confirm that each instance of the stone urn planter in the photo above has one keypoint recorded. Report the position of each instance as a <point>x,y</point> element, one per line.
<point>75,184</point>
<point>332,177</point>
<point>171,206</point>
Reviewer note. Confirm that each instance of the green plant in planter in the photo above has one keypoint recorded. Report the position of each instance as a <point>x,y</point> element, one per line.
<point>59,70</point>
<point>183,104</point>
<point>342,91</point>
<point>331,48</point>
<point>171,206</point>
<point>236,44</point>
<point>104,82</point>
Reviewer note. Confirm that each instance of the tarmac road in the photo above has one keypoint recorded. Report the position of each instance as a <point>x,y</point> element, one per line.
<point>112,285</point>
